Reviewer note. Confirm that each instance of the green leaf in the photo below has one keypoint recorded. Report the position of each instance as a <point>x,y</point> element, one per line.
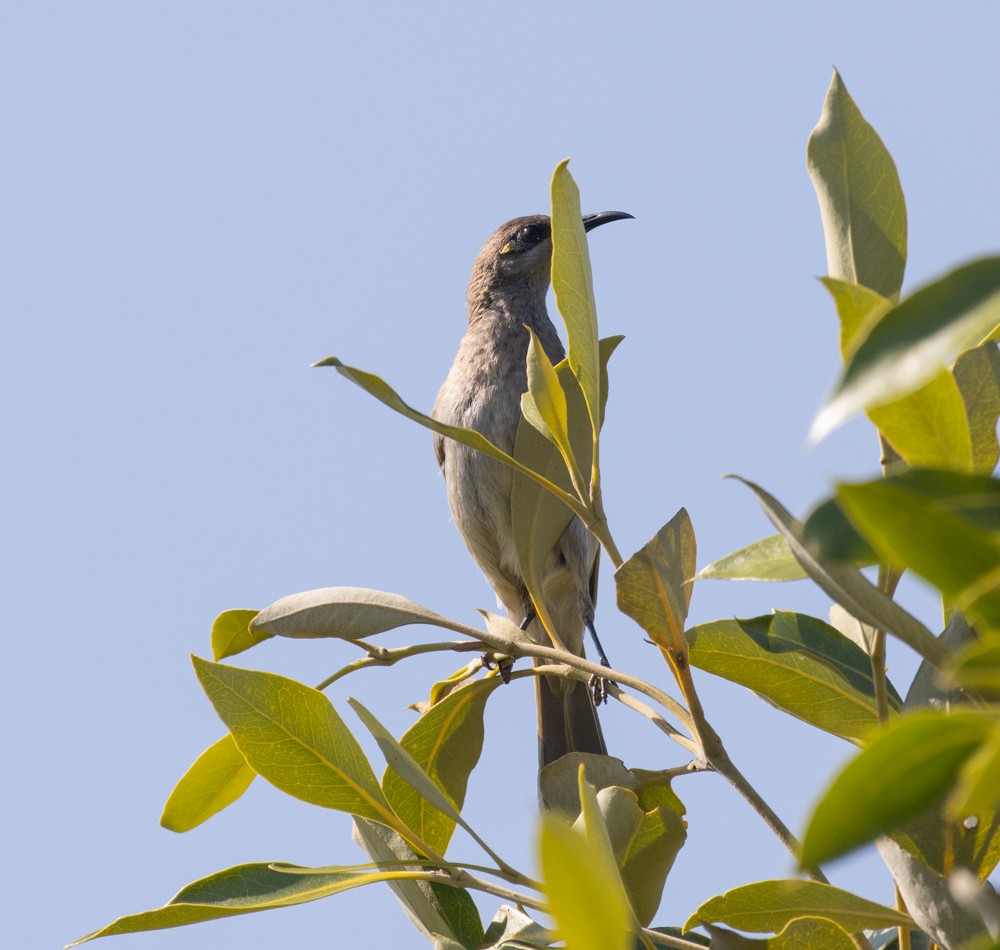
<point>860,198</point>
<point>915,340</point>
<point>538,517</point>
<point>217,778</point>
<point>647,857</point>
<point>513,928</point>
<point>859,308</point>
<point>978,789</point>
<point>828,533</point>
<point>403,764</point>
<point>459,909</point>
<point>911,530</point>
<point>583,889</point>
<point>909,765</point>
<point>977,372</point>
<point>977,667</point>
<point>803,933</point>
<point>573,284</point>
<point>829,536</point>
<point>799,664</point>
<point>384,393</point>
<point>432,911</point>
<point>348,613</point>
<point>244,889</point>
<point>654,585</point>
<point>769,906</point>
<point>927,427</point>
<point>544,404</point>
<point>769,559</point>
<point>231,633</point>
<point>292,736</point>
<point>849,588</point>
<point>446,743</point>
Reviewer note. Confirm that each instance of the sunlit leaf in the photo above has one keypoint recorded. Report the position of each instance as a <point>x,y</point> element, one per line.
<point>799,664</point>
<point>903,771</point>
<point>978,666</point>
<point>544,404</point>
<point>849,587</point>
<point>769,906</point>
<point>914,531</point>
<point>929,426</point>
<point>386,394</point>
<point>769,559</point>
<point>538,517</point>
<point>244,889</point>
<point>977,791</point>
<point>860,198</point>
<point>648,857</point>
<point>292,736</point>
<point>977,372</point>
<point>231,633</point>
<point>573,284</point>
<point>926,427</point>
<point>434,912</point>
<point>446,743</point>
<point>581,881</point>
<point>858,308</point>
<point>218,777</point>
<point>915,340</point>
<point>654,585</point>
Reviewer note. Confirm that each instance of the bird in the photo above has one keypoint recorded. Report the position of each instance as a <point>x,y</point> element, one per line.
<point>506,296</point>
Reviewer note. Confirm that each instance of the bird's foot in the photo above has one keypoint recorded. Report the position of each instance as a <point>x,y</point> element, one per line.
<point>503,665</point>
<point>598,686</point>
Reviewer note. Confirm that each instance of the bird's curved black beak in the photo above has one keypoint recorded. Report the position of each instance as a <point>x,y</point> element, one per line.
<point>595,220</point>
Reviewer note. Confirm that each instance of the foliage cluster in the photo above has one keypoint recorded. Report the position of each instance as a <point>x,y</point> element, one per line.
<point>925,782</point>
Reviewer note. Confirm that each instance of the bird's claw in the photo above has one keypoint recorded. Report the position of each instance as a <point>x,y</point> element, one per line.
<point>503,665</point>
<point>598,689</point>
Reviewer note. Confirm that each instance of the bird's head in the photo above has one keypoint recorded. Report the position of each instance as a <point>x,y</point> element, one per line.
<point>518,257</point>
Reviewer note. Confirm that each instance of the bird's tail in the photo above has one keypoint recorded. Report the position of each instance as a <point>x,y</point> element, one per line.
<point>567,719</point>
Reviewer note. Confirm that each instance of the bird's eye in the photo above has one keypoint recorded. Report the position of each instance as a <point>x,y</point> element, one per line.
<point>530,234</point>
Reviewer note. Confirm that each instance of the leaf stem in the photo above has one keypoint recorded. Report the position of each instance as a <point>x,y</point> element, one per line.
<point>665,940</point>
<point>381,656</point>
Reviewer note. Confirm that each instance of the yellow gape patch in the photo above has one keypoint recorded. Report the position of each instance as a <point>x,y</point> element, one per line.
<point>508,247</point>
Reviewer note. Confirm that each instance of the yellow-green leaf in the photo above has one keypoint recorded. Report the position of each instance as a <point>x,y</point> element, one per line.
<point>292,736</point>
<point>244,889</point>
<point>386,394</point>
<point>544,404</point>
<point>912,530</point>
<point>795,662</point>
<point>654,585</point>
<point>915,340</point>
<point>583,890</point>
<point>538,517</point>
<point>904,770</point>
<point>218,777</point>
<point>446,742</point>
<point>573,284</point>
<point>978,789</point>
<point>926,427</point>
<point>769,906</point>
<point>977,372</point>
<point>769,559</point>
<point>231,633</point>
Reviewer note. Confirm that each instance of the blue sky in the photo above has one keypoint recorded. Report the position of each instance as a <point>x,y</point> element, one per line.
<point>200,200</point>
